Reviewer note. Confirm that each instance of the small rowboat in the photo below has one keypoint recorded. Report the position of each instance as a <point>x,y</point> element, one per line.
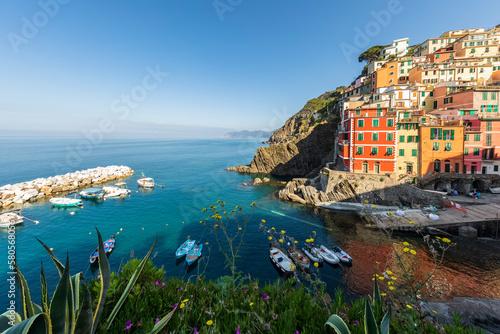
<point>113,192</point>
<point>194,254</point>
<point>281,261</point>
<point>92,193</point>
<point>328,255</point>
<point>313,253</point>
<point>146,182</point>
<point>343,256</point>
<point>299,257</point>
<point>109,245</point>
<point>63,202</point>
<point>11,218</point>
<point>184,248</point>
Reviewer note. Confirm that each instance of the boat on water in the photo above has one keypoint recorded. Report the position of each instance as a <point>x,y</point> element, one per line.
<point>92,193</point>
<point>185,248</point>
<point>146,182</point>
<point>299,257</point>
<point>109,245</point>
<point>328,255</point>
<point>495,190</point>
<point>313,253</point>
<point>341,254</point>
<point>11,218</point>
<point>281,260</point>
<point>194,254</point>
<point>118,190</point>
<point>63,202</point>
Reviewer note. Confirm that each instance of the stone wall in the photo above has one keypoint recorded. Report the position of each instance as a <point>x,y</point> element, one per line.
<point>31,191</point>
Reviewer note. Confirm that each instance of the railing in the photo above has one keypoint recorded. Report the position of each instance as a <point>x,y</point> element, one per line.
<point>472,129</point>
<point>345,142</point>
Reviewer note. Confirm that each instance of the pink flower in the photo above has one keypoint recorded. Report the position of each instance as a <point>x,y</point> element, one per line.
<point>275,316</point>
<point>163,285</point>
<point>180,288</point>
<point>156,283</point>
<point>128,324</point>
<point>157,320</point>
<point>196,330</point>
<point>238,331</point>
<point>175,305</point>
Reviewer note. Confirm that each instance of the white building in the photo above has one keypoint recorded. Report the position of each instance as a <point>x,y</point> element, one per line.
<point>399,47</point>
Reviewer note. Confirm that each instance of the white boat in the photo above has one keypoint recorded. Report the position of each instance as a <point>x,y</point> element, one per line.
<point>114,191</point>
<point>11,218</point>
<point>92,193</point>
<point>146,182</point>
<point>313,253</point>
<point>341,254</point>
<point>495,190</point>
<point>328,255</point>
<point>63,202</point>
<point>281,261</point>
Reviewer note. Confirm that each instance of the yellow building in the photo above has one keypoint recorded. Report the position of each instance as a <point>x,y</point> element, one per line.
<point>407,143</point>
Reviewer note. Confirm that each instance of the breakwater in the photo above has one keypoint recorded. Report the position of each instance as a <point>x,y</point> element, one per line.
<point>31,191</point>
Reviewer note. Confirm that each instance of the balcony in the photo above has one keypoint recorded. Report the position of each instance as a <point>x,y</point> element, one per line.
<point>345,142</point>
<point>469,129</point>
<point>409,120</point>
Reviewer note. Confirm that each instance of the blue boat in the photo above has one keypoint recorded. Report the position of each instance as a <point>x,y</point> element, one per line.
<point>185,248</point>
<point>92,193</point>
<point>194,254</point>
<point>109,245</point>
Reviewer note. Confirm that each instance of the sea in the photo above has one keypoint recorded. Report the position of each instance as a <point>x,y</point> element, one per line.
<point>190,176</point>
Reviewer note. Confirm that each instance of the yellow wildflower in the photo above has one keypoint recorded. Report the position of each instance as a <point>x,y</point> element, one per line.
<point>292,268</point>
<point>434,311</point>
<point>316,264</point>
<point>210,322</point>
<point>263,220</point>
<point>239,228</point>
<point>366,201</point>
<point>389,272</point>
<point>296,242</point>
<point>413,252</point>
<point>218,201</point>
<point>283,232</point>
<point>270,238</point>
<point>446,240</point>
<point>280,240</point>
<point>251,304</point>
<point>252,204</point>
<point>411,222</point>
<point>312,240</point>
<point>438,237</point>
<point>206,243</point>
<point>391,288</point>
<point>383,294</point>
<point>393,278</point>
<point>204,209</point>
<point>390,212</point>
<point>272,228</point>
<point>409,306</point>
<point>406,243</point>
<point>406,249</point>
<point>314,232</point>
<point>185,300</point>
<point>182,305</point>
<point>225,212</point>
<point>374,206</point>
<point>381,278</point>
<point>377,262</point>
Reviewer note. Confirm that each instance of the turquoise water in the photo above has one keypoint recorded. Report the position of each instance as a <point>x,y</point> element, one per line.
<point>194,176</point>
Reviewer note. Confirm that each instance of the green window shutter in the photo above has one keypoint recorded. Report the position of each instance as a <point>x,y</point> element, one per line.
<point>359,150</point>
<point>390,122</point>
<point>452,134</point>
<point>476,150</point>
<point>447,146</point>
<point>401,152</point>
<point>360,123</point>
<point>360,137</point>
<point>401,139</point>
<point>477,137</point>
<point>485,96</point>
<point>488,139</point>
<point>416,139</point>
<point>414,153</point>
<point>493,95</point>
<point>423,94</point>
<point>432,133</point>
<point>435,146</point>
<point>408,139</point>
<point>358,112</point>
<point>388,151</point>
<point>466,151</point>
<point>496,108</point>
<point>440,135</point>
<point>466,138</point>
<point>390,136</point>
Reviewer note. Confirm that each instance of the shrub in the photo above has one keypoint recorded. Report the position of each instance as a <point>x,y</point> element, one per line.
<point>362,177</point>
<point>381,179</point>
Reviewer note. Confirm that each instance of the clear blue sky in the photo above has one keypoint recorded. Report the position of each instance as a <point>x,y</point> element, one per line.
<point>249,66</point>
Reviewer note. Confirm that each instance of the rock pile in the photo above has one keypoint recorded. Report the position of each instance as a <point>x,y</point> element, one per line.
<point>31,191</point>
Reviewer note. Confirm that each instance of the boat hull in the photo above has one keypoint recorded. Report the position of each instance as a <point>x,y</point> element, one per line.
<point>281,260</point>
<point>299,257</point>
<point>109,246</point>
<point>313,254</point>
<point>328,255</point>
<point>66,202</point>
<point>194,254</point>
<point>184,248</point>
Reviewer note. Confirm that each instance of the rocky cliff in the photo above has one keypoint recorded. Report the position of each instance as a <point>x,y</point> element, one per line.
<point>301,146</point>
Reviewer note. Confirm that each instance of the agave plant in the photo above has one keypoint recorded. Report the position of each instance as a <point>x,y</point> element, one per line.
<point>66,312</point>
<point>340,327</point>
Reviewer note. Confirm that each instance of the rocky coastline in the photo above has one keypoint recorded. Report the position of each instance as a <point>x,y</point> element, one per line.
<point>31,191</point>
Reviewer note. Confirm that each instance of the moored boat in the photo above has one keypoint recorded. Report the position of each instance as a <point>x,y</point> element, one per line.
<point>283,262</point>
<point>495,190</point>
<point>185,248</point>
<point>109,245</point>
<point>11,218</point>
<point>341,254</point>
<point>328,255</point>
<point>299,257</point>
<point>63,202</point>
<point>92,193</point>
<point>114,191</point>
<point>194,254</point>
<point>313,253</point>
<point>146,182</point>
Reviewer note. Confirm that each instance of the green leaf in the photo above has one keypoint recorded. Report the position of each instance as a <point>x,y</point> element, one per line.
<point>59,265</point>
<point>163,322</point>
<point>38,324</point>
<point>7,320</point>
<point>62,313</point>
<point>130,285</point>
<point>370,324</point>
<point>384,326</point>
<point>336,323</point>
<point>75,285</point>
<point>38,309</point>
<point>104,280</point>
<point>84,319</point>
<point>26,306</point>
<point>45,291</point>
<point>376,294</point>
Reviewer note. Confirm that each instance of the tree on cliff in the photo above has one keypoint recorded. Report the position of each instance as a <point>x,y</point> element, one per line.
<point>371,54</point>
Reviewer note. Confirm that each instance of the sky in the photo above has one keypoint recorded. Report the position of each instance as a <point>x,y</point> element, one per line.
<point>193,69</point>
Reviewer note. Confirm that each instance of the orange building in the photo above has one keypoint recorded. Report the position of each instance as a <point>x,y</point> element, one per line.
<point>385,76</point>
<point>441,147</point>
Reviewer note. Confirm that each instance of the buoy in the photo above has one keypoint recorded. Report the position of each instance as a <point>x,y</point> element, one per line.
<point>166,224</point>
<point>143,228</point>
<point>71,213</point>
<point>36,222</point>
<point>121,229</point>
<point>183,222</point>
<point>137,192</point>
<point>51,249</point>
<point>90,232</point>
<point>117,232</point>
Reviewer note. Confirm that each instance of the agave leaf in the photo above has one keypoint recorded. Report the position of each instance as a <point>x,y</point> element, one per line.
<point>370,324</point>
<point>376,294</point>
<point>62,313</point>
<point>26,306</point>
<point>75,285</point>
<point>163,322</point>
<point>336,323</point>
<point>38,324</point>
<point>104,279</point>
<point>38,309</point>
<point>59,265</point>
<point>84,319</point>
<point>45,291</point>
<point>7,320</point>
<point>384,326</point>
<point>130,285</point>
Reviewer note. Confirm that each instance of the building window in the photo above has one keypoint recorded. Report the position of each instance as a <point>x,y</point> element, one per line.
<point>389,151</point>
<point>401,139</point>
<point>493,95</point>
<point>447,146</point>
<point>360,136</point>
<point>466,151</point>
<point>374,150</point>
<point>423,103</point>
<point>361,123</point>
<point>485,96</point>
<point>488,139</point>
<point>488,126</point>
<point>379,112</point>
<point>476,150</point>
<point>390,122</point>
<point>375,123</point>
<point>374,136</point>
<point>423,94</point>
<point>448,134</point>
<point>359,150</point>
<point>357,112</point>
<point>435,146</point>
<point>466,138</point>
<point>495,168</point>
<point>414,153</point>
<point>390,136</point>
<point>401,152</point>
<point>436,133</point>
<point>477,137</point>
